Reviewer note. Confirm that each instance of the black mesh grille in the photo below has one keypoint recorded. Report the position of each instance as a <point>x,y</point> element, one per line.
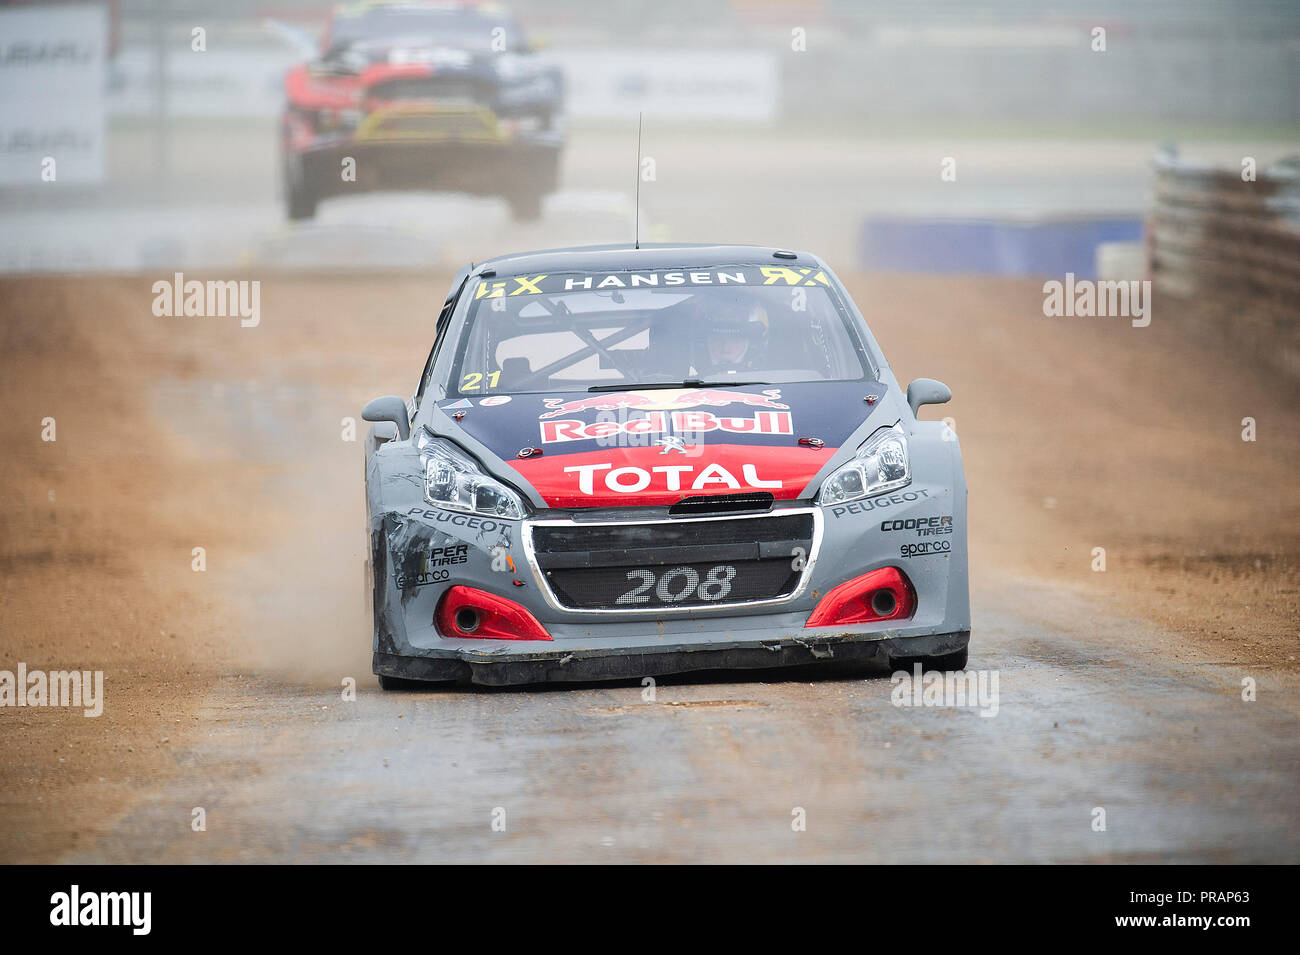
<point>666,565</point>
<point>721,504</point>
<point>426,88</point>
<point>574,537</point>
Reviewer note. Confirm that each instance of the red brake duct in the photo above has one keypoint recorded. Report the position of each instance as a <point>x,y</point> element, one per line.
<point>467,612</point>
<point>884,594</point>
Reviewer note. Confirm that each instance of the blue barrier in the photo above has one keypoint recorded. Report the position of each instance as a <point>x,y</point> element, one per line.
<point>989,246</point>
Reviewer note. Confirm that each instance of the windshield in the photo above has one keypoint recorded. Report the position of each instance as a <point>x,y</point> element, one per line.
<point>611,330</point>
<point>452,26</point>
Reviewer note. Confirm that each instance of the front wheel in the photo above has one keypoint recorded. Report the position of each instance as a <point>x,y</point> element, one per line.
<point>396,683</point>
<point>300,201</point>
<point>525,207</point>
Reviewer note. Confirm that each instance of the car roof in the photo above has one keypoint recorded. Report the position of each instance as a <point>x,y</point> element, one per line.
<point>650,256</point>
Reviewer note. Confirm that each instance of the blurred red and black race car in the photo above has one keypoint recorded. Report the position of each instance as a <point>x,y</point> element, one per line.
<point>435,95</point>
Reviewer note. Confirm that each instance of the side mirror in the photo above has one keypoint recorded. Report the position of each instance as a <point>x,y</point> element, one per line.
<point>389,408</point>
<point>927,391</point>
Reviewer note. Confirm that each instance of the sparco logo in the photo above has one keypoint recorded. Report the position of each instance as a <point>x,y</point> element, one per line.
<point>928,547</point>
<point>103,908</point>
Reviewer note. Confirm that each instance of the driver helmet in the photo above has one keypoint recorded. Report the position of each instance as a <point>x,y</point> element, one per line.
<point>735,331</point>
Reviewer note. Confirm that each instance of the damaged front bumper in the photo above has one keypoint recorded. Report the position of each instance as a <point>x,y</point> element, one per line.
<point>590,661</point>
<point>418,552</point>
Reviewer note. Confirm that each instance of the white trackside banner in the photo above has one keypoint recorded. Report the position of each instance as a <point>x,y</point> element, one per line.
<point>689,85</point>
<point>52,74</point>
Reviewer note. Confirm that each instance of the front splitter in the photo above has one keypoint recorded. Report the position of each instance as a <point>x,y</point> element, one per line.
<point>499,667</point>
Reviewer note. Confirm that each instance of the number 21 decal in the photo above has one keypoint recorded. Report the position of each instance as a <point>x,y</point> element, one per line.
<point>472,380</point>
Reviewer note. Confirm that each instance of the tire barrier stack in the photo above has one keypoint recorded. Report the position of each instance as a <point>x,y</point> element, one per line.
<point>1226,246</point>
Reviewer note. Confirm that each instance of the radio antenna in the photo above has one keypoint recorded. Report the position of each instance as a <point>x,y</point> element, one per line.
<point>637,229</point>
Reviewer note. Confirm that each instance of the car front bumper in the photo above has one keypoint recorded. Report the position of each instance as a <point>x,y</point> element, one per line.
<point>586,645</point>
<point>598,659</point>
<point>461,149</point>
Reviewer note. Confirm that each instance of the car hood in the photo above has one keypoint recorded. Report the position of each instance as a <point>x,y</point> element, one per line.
<point>657,447</point>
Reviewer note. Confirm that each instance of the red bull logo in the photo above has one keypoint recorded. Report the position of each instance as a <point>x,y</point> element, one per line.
<point>667,400</point>
<point>657,422</point>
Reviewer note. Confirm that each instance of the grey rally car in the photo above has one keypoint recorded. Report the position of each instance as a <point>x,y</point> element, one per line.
<point>626,462</point>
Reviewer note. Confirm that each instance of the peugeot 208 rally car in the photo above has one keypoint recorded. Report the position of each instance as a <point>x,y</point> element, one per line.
<point>622,462</point>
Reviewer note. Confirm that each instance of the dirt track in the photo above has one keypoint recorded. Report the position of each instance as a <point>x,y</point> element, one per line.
<point>1119,689</point>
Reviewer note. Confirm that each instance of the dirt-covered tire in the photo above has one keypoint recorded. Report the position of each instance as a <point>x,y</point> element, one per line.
<point>525,206</point>
<point>300,201</point>
<point>396,683</point>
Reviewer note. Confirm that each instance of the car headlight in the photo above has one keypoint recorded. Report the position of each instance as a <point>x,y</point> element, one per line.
<point>880,465</point>
<point>330,120</point>
<point>533,88</point>
<point>453,481</point>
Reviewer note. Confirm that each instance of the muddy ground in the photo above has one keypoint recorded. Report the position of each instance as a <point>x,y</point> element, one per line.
<point>1120,689</point>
